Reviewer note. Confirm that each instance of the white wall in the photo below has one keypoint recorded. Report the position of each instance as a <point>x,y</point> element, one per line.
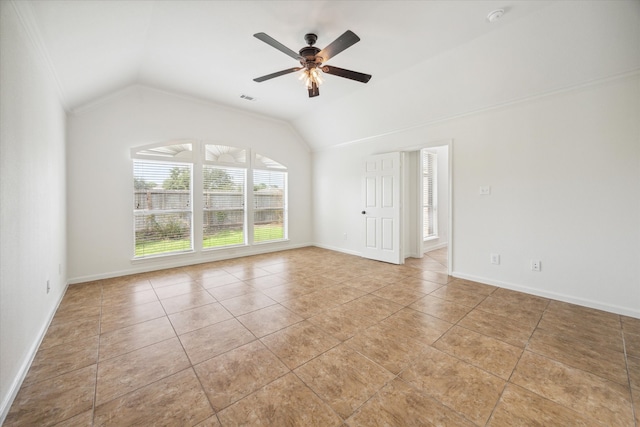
<point>32,202</point>
<point>100,174</point>
<point>565,176</point>
<point>557,46</point>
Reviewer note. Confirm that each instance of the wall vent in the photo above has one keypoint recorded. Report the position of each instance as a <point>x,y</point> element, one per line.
<point>247,97</point>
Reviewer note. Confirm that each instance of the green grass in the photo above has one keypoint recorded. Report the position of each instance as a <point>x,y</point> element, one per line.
<point>162,246</point>
<point>223,238</point>
<point>264,233</point>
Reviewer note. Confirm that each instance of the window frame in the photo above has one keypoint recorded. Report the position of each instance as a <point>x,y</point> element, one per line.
<point>197,158</point>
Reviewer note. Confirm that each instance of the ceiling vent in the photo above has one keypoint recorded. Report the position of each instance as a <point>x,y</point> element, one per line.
<point>495,15</point>
<point>247,97</point>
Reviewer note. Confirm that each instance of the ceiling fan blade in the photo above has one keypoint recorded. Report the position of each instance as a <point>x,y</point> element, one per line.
<point>313,90</point>
<point>346,40</point>
<point>277,74</point>
<point>275,43</point>
<point>347,74</point>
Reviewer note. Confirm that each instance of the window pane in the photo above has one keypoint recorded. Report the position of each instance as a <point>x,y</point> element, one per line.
<point>224,202</point>
<point>175,151</point>
<point>265,162</point>
<point>162,207</point>
<point>428,221</point>
<point>270,210</point>
<point>162,233</point>
<point>225,154</point>
<point>429,194</point>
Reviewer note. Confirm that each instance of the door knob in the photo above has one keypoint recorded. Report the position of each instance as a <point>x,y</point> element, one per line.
<point>364,212</point>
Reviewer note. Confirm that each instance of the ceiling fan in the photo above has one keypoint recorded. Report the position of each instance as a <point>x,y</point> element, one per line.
<point>312,60</point>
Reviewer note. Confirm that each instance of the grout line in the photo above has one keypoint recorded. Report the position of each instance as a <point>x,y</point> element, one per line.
<point>95,386</point>
<point>634,410</point>
<point>365,272</point>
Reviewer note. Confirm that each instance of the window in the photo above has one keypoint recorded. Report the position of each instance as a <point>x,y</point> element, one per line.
<point>224,202</point>
<point>164,188</point>
<point>162,207</point>
<point>429,195</point>
<point>269,200</point>
<point>269,207</point>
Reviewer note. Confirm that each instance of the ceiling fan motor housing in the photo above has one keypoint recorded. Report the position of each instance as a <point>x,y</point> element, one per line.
<point>310,38</point>
<point>309,54</point>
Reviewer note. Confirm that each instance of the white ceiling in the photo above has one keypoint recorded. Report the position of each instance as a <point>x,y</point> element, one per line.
<point>206,49</point>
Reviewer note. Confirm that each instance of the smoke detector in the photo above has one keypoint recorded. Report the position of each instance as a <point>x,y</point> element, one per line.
<point>495,15</point>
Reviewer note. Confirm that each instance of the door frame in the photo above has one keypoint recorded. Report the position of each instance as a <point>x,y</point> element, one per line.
<point>450,230</point>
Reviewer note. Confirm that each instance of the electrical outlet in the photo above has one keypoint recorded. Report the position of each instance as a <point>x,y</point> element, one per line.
<point>485,190</point>
<point>495,259</point>
<point>536,265</point>
<point>345,236</point>
<point>48,286</point>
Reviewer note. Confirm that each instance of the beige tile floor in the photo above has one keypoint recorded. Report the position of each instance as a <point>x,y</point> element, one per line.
<point>313,337</point>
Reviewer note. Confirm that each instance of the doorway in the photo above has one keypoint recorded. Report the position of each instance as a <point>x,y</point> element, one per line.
<point>427,192</point>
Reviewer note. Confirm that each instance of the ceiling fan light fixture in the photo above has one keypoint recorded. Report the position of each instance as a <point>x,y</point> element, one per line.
<point>311,76</point>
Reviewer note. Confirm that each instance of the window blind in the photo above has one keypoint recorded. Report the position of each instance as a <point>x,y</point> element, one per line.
<point>164,189</point>
<point>224,206</point>
<point>429,194</point>
<point>162,207</point>
<point>269,205</point>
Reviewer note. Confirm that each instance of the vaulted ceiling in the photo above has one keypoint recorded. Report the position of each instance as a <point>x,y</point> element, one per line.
<point>429,59</point>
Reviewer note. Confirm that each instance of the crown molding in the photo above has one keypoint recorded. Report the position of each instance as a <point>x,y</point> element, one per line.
<point>26,16</point>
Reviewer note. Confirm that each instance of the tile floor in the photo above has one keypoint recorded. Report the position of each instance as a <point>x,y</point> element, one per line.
<point>313,337</point>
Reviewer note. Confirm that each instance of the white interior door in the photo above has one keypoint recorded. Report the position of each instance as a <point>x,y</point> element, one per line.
<point>382,208</point>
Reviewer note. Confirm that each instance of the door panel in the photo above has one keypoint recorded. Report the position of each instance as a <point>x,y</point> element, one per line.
<point>370,192</point>
<point>387,191</point>
<point>382,208</point>
<point>371,233</point>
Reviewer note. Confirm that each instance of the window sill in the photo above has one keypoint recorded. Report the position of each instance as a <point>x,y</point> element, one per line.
<point>136,260</point>
<point>222,248</point>
<point>428,239</point>
<point>204,251</point>
<point>270,241</point>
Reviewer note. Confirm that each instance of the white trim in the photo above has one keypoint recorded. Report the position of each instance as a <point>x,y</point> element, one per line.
<point>448,142</point>
<point>435,247</point>
<point>24,11</point>
<point>450,219</point>
<point>337,249</point>
<point>161,263</point>
<point>27,361</point>
<point>479,110</point>
<point>551,295</point>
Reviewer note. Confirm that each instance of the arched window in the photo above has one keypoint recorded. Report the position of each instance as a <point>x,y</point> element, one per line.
<point>176,179</point>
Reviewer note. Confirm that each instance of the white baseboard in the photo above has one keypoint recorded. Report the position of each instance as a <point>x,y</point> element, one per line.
<point>162,263</point>
<point>336,249</point>
<point>435,247</point>
<point>551,295</point>
<point>24,368</point>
